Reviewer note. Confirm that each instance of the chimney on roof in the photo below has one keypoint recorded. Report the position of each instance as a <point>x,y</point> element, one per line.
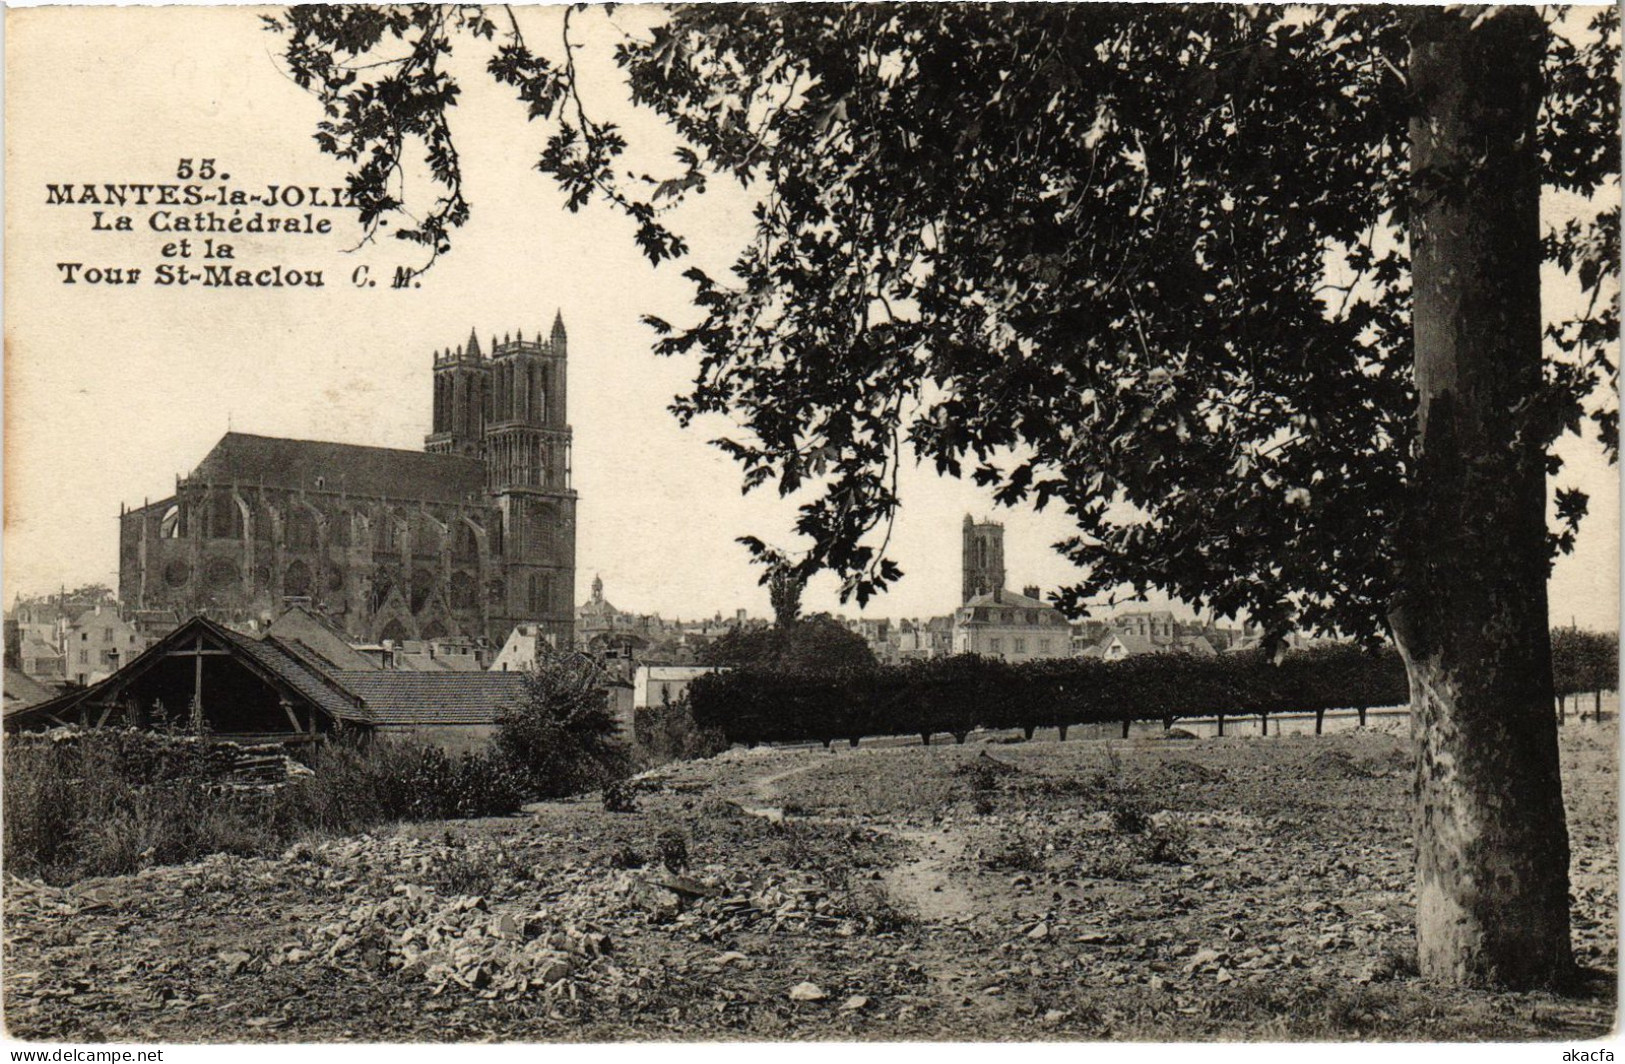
<point>1031,591</point>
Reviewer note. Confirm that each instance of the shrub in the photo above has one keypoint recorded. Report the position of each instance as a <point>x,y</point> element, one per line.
<point>670,733</point>
<point>1017,855</point>
<point>112,801</point>
<point>620,797</point>
<point>563,739</point>
<point>358,783</point>
<point>1129,817</point>
<point>625,856</point>
<point>672,847</point>
<point>1165,844</point>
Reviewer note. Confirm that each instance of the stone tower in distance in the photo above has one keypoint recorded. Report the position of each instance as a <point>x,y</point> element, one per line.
<point>983,559</point>
<point>508,409</point>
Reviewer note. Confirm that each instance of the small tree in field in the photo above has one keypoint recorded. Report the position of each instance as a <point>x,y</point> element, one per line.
<point>563,739</point>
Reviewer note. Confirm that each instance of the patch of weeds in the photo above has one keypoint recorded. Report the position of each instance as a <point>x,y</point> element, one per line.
<point>1355,1011</point>
<point>1396,758</point>
<point>672,847</point>
<point>1395,962</point>
<point>720,809</point>
<point>1253,1002</point>
<point>1178,770</point>
<point>1339,765</point>
<point>870,901</point>
<point>795,808</point>
<point>620,797</point>
<point>470,870</point>
<point>1113,760</point>
<point>1111,862</point>
<point>1105,788</point>
<point>625,856</point>
<point>983,772</point>
<point>793,847</point>
<point>1129,815</point>
<point>1085,1016</point>
<point>1017,855</point>
<point>982,804</point>
<point>1165,844</point>
<point>1063,786</point>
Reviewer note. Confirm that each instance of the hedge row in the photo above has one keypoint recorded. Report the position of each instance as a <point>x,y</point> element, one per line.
<point>1584,661</point>
<point>959,694</point>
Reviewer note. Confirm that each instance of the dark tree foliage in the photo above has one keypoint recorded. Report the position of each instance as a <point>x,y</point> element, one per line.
<point>959,694</point>
<point>1584,661</point>
<point>816,644</point>
<point>1092,255</point>
<point>784,588</point>
<point>563,739</point>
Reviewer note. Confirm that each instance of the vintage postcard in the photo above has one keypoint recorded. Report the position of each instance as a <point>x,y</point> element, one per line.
<point>776,523</point>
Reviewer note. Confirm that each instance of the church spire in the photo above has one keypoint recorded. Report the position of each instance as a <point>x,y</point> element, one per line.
<point>559,337</point>
<point>473,344</point>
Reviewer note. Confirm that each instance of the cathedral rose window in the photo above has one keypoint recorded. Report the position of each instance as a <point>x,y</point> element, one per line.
<point>177,573</point>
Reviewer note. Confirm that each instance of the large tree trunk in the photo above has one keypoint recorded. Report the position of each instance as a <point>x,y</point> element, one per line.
<point>1492,850</point>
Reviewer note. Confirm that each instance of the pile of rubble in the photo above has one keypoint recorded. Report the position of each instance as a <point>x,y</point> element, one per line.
<point>734,902</point>
<point>458,941</point>
<point>522,937</point>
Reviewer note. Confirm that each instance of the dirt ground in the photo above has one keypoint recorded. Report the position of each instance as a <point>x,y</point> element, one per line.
<point>1148,889</point>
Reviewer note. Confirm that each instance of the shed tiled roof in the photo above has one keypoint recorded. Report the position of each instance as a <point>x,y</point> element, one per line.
<point>428,698</point>
<point>302,674</point>
<point>367,697</point>
<point>313,465</point>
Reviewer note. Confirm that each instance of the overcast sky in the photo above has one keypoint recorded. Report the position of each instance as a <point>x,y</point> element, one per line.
<point>113,391</point>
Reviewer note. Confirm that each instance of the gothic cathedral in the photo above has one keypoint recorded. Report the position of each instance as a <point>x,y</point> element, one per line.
<point>467,540</point>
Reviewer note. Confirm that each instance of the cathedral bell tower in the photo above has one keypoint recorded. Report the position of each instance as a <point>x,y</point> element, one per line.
<point>527,440</point>
<point>462,402</point>
<point>506,406</point>
<point>527,468</point>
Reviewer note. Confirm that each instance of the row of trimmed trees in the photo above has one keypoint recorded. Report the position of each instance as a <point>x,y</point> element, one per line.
<point>957,695</point>
<point>1583,663</point>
